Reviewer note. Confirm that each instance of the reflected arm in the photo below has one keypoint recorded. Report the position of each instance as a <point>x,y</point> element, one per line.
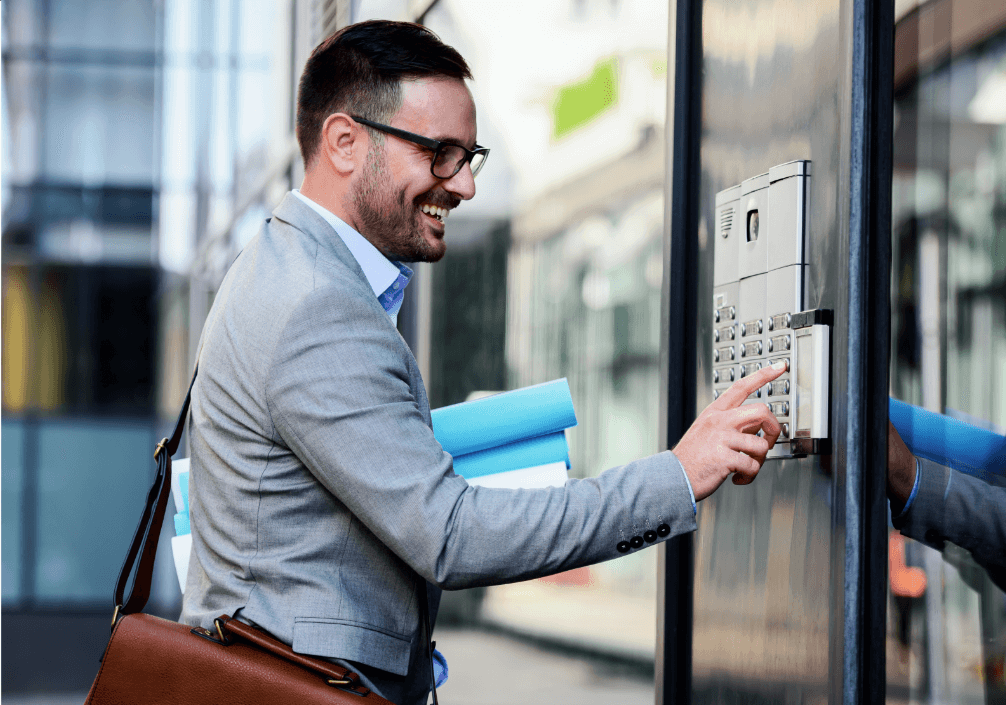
<point>952,506</point>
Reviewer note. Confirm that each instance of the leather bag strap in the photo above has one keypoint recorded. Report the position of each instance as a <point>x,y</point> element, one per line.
<point>144,544</point>
<point>328,669</point>
<point>424,615</point>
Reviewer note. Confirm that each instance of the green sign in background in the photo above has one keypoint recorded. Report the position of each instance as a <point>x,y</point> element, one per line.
<point>578,103</point>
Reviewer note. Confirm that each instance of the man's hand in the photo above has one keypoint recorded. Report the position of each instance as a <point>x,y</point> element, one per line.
<point>723,440</point>
<point>900,470</point>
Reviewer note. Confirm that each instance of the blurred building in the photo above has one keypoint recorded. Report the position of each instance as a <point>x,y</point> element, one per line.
<point>141,139</point>
<point>81,278</point>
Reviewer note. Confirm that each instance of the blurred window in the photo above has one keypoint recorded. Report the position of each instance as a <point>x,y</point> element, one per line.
<point>92,483</point>
<point>99,123</point>
<point>105,25</point>
<point>79,340</point>
<point>12,480</point>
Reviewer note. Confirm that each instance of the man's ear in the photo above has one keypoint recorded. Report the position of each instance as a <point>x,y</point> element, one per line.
<point>343,143</point>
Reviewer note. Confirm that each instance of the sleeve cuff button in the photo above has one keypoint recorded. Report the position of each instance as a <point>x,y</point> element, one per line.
<point>650,536</point>
<point>663,530</point>
<point>622,547</point>
<point>636,542</point>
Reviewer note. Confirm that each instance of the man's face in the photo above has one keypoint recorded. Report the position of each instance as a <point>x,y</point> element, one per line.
<point>396,182</point>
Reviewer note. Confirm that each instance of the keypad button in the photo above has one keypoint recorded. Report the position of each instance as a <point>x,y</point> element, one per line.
<point>785,430</point>
<point>716,376</point>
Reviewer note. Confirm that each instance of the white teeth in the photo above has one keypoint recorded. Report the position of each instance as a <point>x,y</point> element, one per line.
<point>436,211</point>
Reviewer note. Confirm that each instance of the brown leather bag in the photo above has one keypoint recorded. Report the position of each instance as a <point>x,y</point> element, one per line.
<point>154,660</point>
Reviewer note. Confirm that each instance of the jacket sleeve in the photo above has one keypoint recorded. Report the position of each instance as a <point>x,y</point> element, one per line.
<point>339,395</point>
<point>952,506</point>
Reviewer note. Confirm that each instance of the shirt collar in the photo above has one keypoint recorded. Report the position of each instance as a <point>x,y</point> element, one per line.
<point>382,274</point>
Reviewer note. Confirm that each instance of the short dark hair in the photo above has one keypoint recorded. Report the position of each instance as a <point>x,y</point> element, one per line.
<point>359,71</point>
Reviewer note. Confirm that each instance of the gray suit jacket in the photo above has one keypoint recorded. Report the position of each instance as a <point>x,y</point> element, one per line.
<point>952,506</point>
<point>319,496</point>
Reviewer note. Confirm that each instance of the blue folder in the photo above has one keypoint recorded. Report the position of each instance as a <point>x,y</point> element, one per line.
<point>949,441</point>
<point>514,456</point>
<point>505,418</point>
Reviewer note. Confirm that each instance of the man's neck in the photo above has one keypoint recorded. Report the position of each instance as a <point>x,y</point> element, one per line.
<point>330,197</point>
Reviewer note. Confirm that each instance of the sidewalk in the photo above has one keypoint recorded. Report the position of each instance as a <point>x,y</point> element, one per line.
<point>587,619</point>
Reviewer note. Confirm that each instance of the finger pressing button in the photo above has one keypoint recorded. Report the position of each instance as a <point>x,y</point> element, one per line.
<point>636,542</point>
<point>622,547</point>
<point>649,536</point>
<point>663,530</point>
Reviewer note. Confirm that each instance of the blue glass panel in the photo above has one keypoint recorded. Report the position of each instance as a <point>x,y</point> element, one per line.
<point>99,125</point>
<point>105,25</point>
<point>12,481</point>
<point>93,479</point>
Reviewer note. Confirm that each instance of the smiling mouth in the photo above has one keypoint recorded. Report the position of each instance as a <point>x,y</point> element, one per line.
<point>436,212</point>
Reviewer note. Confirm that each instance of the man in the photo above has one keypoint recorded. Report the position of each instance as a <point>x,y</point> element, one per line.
<point>321,502</point>
<point>934,504</point>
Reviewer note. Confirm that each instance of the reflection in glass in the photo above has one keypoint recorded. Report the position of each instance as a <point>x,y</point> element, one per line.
<point>947,620</point>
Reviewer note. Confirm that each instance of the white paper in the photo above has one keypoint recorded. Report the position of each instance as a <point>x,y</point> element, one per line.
<point>181,546</point>
<point>548,475</point>
<point>177,468</point>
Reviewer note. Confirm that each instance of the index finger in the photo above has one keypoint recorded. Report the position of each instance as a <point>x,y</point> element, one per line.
<point>745,386</point>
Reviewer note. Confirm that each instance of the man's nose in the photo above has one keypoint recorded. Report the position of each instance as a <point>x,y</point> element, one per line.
<point>462,184</point>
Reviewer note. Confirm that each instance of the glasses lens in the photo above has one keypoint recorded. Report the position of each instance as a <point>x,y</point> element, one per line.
<point>449,161</point>
<point>477,162</point>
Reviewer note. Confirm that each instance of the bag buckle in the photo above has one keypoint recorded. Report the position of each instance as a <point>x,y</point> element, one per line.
<point>160,447</point>
<point>218,637</point>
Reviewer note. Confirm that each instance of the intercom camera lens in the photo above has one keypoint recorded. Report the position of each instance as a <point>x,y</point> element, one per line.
<point>752,226</point>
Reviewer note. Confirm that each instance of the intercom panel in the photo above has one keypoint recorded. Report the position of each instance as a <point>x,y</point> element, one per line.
<point>758,305</point>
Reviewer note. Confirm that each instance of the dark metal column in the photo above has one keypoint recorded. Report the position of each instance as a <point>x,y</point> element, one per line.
<point>868,350</point>
<point>679,291</point>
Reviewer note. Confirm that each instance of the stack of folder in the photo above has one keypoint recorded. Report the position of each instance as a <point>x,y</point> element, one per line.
<point>513,439</point>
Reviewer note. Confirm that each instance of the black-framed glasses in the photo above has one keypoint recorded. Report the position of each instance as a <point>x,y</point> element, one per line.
<point>448,158</point>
